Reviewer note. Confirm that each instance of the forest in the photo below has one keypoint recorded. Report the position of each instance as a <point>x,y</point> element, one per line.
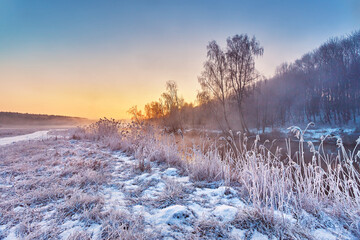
<point>323,86</point>
<point>16,119</point>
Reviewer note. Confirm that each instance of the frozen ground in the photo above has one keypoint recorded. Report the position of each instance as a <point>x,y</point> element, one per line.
<point>25,137</point>
<point>59,188</point>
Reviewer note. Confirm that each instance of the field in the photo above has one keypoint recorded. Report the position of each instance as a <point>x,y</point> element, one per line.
<point>128,181</point>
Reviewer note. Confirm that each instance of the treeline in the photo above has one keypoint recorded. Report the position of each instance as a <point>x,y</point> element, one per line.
<point>323,86</point>
<point>15,118</point>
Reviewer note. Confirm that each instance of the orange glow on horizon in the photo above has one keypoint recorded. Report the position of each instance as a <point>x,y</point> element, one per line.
<point>83,88</point>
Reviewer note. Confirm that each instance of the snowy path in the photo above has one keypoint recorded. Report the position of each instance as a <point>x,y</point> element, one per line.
<point>26,137</point>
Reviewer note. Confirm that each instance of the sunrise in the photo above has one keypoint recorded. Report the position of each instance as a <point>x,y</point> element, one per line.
<point>93,60</point>
<point>154,119</point>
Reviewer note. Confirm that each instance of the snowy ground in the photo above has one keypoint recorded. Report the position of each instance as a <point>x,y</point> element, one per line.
<point>25,137</point>
<point>75,189</point>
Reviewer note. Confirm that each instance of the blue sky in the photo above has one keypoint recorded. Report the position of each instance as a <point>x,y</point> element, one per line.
<point>101,49</point>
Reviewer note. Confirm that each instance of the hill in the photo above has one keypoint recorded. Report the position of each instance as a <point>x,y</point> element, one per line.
<point>17,119</point>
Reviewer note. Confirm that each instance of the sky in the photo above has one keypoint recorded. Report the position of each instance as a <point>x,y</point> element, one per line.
<point>99,58</point>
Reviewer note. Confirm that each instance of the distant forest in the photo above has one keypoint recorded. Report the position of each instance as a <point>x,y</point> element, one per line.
<point>323,86</point>
<point>14,118</point>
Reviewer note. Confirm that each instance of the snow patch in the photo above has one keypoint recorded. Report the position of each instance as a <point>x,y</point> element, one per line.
<point>95,231</point>
<point>322,234</point>
<point>12,234</point>
<point>171,172</point>
<point>238,233</point>
<point>153,192</point>
<point>259,236</point>
<point>225,213</point>
<point>199,211</point>
<point>174,215</point>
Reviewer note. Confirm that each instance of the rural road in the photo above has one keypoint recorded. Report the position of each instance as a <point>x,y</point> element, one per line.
<point>31,136</point>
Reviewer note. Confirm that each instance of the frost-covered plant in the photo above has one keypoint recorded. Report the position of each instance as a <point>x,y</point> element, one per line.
<point>104,128</point>
<point>272,182</point>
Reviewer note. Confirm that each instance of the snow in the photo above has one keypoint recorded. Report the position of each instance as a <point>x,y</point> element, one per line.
<point>238,233</point>
<point>217,195</point>
<point>285,216</point>
<point>115,197</point>
<point>200,211</point>
<point>210,201</point>
<point>18,209</point>
<point>71,230</point>
<point>225,213</point>
<point>155,191</point>
<point>26,137</point>
<point>322,234</point>
<point>139,209</point>
<point>12,234</point>
<point>173,215</point>
<point>171,172</point>
<point>95,230</point>
<point>259,236</point>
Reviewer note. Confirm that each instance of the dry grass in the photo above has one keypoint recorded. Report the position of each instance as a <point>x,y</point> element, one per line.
<point>289,184</point>
<point>122,225</point>
<point>43,184</point>
<point>210,229</point>
<point>174,193</point>
<point>266,223</point>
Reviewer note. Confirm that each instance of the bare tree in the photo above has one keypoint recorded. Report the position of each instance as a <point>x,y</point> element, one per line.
<point>136,115</point>
<point>240,55</point>
<point>171,99</point>
<point>213,79</point>
<point>172,105</point>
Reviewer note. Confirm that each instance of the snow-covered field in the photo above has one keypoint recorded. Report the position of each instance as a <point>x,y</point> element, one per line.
<point>60,188</point>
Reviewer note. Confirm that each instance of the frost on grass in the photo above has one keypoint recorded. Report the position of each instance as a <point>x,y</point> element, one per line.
<point>109,182</point>
<point>54,189</point>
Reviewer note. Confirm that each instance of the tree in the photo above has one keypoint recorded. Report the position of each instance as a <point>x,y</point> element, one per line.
<point>171,99</point>
<point>240,55</point>
<point>213,79</point>
<point>154,110</point>
<point>136,115</point>
<point>172,105</point>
